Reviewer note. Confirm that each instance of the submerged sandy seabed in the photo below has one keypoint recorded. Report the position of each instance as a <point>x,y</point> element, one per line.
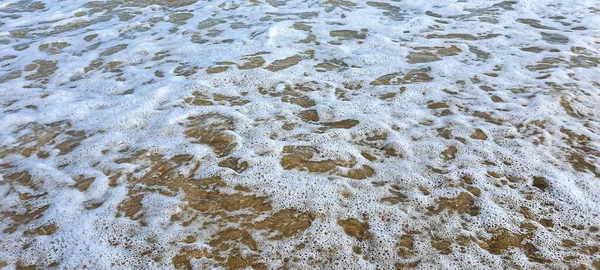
<point>300,134</point>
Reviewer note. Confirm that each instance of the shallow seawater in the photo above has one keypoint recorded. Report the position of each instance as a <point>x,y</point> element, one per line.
<point>273,134</point>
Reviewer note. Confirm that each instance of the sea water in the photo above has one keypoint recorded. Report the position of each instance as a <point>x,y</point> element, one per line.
<point>307,134</point>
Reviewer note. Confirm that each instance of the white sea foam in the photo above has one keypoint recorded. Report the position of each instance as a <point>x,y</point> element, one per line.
<point>300,134</point>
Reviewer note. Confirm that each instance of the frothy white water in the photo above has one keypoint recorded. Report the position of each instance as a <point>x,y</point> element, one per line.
<point>299,134</point>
